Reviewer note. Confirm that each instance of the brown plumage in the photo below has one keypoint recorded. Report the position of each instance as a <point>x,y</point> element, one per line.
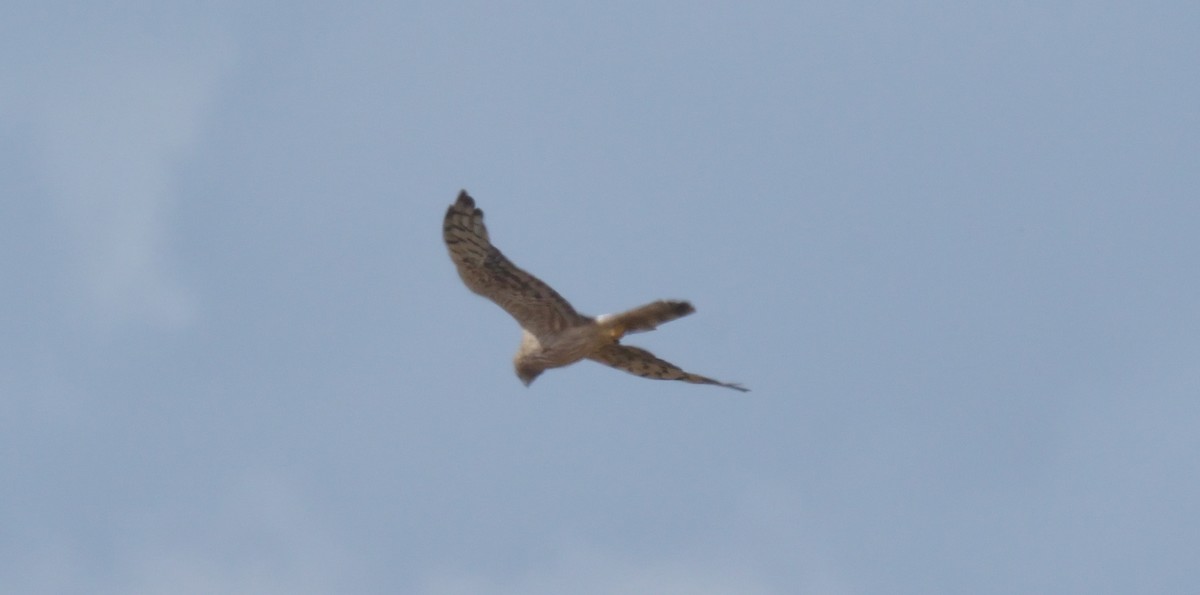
<point>554,334</point>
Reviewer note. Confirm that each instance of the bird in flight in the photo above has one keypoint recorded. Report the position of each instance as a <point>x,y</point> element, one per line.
<point>553,333</point>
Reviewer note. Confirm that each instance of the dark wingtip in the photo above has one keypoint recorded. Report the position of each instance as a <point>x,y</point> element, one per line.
<point>682,307</point>
<point>734,386</point>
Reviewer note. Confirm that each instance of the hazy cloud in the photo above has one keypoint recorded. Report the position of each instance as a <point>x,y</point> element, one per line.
<point>261,537</point>
<point>589,571</point>
<point>765,553</point>
<point>111,125</point>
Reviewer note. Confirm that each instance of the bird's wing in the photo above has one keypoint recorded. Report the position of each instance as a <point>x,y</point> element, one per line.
<point>536,306</point>
<point>640,362</point>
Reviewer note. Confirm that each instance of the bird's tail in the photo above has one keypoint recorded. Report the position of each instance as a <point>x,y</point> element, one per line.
<point>644,318</point>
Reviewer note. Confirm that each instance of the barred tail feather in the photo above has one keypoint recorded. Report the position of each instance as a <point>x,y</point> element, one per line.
<point>645,318</point>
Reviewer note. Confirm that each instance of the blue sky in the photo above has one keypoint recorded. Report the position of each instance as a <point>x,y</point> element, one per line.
<point>951,248</point>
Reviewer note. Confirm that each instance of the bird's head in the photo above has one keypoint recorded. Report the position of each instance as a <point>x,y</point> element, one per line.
<point>527,373</point>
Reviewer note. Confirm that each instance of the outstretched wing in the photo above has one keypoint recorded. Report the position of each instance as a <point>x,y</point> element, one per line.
<point>640,362</point>
<point>538,308</point>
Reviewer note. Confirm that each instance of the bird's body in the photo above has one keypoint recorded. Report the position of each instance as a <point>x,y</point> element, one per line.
<point>558,349</point>
<point>553,333</point>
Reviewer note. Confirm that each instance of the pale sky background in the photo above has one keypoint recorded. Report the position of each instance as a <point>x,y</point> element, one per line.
<point>952,247</point>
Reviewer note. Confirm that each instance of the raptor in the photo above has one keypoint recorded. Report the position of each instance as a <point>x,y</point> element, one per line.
<point>553,333</point>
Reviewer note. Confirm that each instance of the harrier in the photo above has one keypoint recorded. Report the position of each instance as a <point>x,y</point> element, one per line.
<point>553,333</point>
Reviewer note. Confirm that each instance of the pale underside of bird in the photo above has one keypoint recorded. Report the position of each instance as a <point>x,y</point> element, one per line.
<point>553,333</point>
